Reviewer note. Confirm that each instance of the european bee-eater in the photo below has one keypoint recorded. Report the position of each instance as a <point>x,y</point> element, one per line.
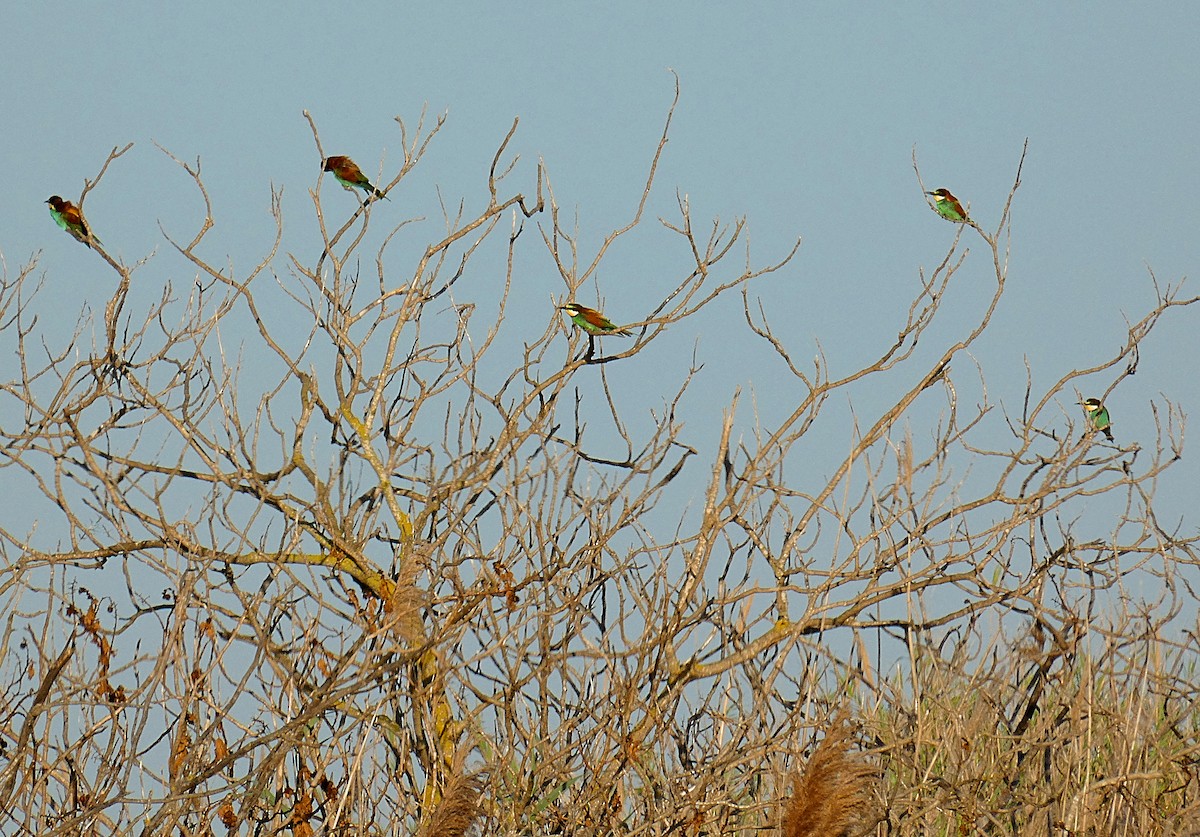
<point>68,216</point>
<point>592,321</point>
<point>1097,414</point>
<point>949,207</point>
<point>350,175</point>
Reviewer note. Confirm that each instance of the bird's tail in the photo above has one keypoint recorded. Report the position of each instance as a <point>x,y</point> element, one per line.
<point>85,237</point>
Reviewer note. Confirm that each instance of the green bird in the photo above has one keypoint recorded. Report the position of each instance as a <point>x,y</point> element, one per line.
<point>68,216</point>
<point>350,175</point>
<point>1097,414</point>
<point>949,206</point>
<point>592,321</point>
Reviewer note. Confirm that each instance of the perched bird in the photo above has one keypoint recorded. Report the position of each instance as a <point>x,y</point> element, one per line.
<point>949,207</point>
<point>350,175</point>
<point>68,216</point>
<point>592,321</point>
<point>1097,414</point>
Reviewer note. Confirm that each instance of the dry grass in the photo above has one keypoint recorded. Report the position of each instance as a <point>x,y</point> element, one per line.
<point>1096,738</point>
<point>831,796</point>
<point>458,809</point>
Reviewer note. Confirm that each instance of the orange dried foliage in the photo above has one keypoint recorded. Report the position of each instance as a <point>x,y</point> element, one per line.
<point>228,816</point>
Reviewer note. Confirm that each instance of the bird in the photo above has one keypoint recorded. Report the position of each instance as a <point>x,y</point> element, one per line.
<point>949,207</point>
<point>350,175</point>
<point>68,216</point>
<point>1097,414</point>
<point>592,321</point>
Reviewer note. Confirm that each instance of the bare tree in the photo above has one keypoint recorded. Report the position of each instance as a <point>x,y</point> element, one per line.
<point>391,568</point>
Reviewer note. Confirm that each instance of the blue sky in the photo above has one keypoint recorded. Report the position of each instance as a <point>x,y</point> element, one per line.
<point>802,119</point>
